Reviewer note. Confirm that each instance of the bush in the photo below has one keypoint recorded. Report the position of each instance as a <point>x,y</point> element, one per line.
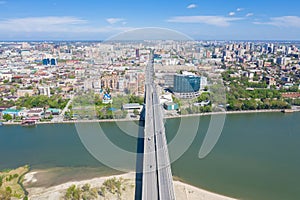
<point>7,117</point>
<point>113,186</point>
<point>72,193</point>
<point>85,193</point>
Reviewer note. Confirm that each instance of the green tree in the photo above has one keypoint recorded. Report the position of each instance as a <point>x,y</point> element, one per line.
<point>7,117</point>
<point>204,97</point>
<point>136,99</point>
<point>72,193</point>
<point>293,89</point>
<point>136,112</point>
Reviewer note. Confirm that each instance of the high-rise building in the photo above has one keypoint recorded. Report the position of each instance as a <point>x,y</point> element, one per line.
<point>46,61</point>
<point>186,86</point>
<point>53,61</point>
<point>137,54</point>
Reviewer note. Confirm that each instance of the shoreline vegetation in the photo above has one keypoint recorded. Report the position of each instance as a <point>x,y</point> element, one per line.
<point>21,183</point>
<point>167,117</point>
<point>109,187</point>
<point>11,183</point>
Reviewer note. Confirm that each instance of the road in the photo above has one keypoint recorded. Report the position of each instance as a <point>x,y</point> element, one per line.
<point>60,117</point>
<point>157,175</point>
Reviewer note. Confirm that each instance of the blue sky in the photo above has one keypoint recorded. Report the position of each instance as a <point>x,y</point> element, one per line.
<point>200,19</point>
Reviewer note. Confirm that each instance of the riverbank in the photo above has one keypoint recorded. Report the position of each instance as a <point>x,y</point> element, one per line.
<point>167,117</point>
<point>11,183</point>
<point>182,191</point>
<point>226,113</point>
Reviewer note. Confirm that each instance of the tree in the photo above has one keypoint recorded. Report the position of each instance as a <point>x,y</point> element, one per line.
<point>204,97</point>
<point>136,112</point>
<point>7,117</point>
<point>73,193</point>
<point>84,193</point>
<point>293,89</point>
<point>136,99</point>
<point>249,105</point>
<point>13,91</point>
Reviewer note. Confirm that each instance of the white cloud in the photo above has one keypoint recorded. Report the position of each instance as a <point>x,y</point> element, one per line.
<point>40,24</point>
<point>211,20</point>
<point>191,6</point>
<point>114,20</point>
<point>51,24</point>
<point>239,9</point>
<point>231,14</point>
<point>284,21</point>
<point>249,14</point>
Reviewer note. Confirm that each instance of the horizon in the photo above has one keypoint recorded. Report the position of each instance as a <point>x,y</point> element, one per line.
<point>104,40</point>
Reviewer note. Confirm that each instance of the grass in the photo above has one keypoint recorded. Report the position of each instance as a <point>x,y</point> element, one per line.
<point>11,182</point>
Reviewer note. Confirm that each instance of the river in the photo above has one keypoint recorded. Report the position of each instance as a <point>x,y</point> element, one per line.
<point>256,157</point>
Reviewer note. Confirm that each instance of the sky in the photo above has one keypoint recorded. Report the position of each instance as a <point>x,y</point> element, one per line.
<point>198,19</point>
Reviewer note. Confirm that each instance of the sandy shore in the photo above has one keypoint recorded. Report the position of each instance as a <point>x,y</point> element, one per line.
<point>182,191</point>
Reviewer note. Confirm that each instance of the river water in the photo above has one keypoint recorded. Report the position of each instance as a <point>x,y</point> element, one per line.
<point>256,157</point>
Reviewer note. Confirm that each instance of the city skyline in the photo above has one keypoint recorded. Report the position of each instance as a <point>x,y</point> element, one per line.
<point>98,20</point>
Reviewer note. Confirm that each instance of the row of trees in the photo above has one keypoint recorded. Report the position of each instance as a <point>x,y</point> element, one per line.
<point>196,109</point>
<point>77,193</point>
<point>40,101</point>
<point>235,105</point>
<point>113,186</point>
<point>239,98</point>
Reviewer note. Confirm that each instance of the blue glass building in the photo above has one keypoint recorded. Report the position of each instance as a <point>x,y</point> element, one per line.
<point>46,61</point>
<point>186,86</point>
<point>186,83</point>
<point>53,61</point>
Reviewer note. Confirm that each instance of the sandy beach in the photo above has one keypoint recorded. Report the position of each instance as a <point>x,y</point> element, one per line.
<point>182,191</point>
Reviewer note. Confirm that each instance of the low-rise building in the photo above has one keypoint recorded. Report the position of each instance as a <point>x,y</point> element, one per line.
<point>132,106</point>
<point>23,93</point>
<point>53,111</point>
<point>12,112</point>
<point>35,112</point>
<point>171,106</point>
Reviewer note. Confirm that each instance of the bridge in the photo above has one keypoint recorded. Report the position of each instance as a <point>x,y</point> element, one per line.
<point>157,181</point>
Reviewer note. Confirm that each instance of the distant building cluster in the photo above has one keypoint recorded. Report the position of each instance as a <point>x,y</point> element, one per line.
<point>184,68</point>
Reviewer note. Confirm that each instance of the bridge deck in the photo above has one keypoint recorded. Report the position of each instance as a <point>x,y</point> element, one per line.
<point>157,175</point>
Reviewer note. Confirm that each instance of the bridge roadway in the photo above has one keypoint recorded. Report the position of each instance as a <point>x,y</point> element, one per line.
<point>157,183</point>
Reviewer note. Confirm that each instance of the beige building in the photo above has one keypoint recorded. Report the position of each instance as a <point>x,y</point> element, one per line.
<point>109,81</point>
<point>23,93</point>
